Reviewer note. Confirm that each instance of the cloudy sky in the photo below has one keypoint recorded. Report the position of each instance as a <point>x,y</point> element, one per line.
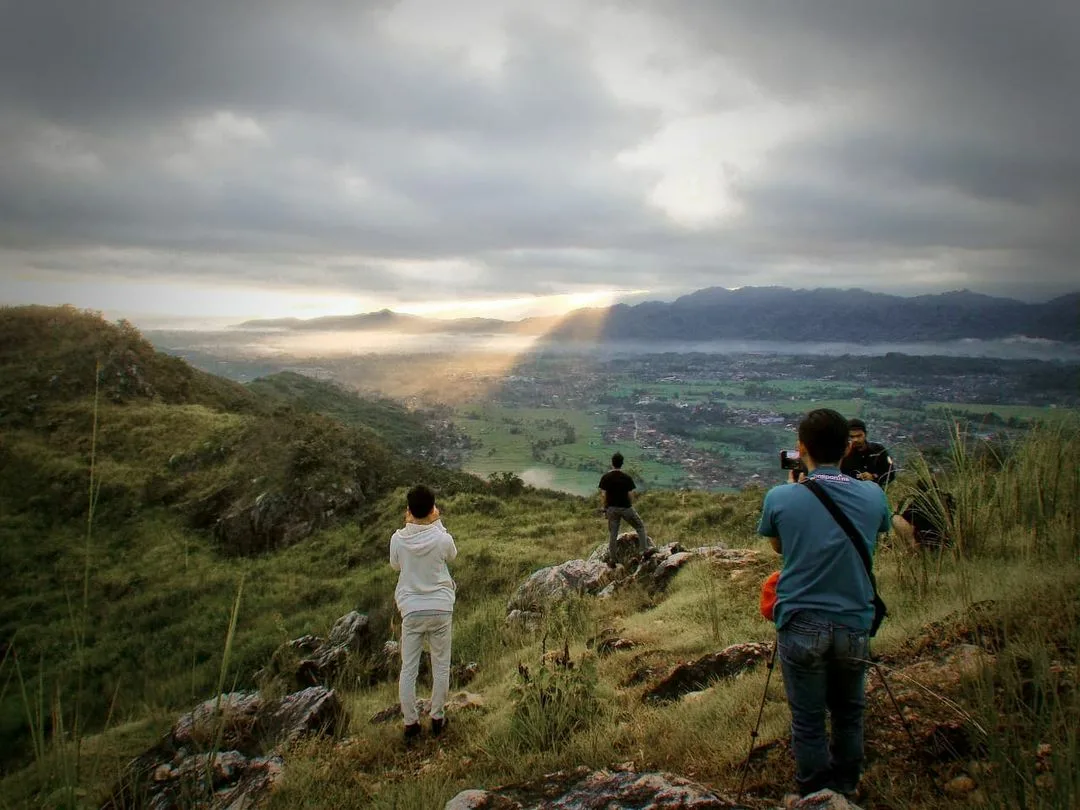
<point>245,158</point>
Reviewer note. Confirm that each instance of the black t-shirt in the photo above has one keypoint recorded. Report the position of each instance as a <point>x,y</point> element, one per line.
<point>873,458</point>
<point>617,485</point>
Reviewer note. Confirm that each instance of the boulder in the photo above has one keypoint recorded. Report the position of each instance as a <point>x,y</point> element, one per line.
<point>556,583</point>
<point>586,790</point>
<point>667,568</point>
<point>234,714</point>
<point>315,710</point>
<point>277,519</point>
<point>593,576</point>
<point>698,674</point>
<point>626,550</point>
<point>313,661</point>
<point>225,754</point>
<point>349,636</point>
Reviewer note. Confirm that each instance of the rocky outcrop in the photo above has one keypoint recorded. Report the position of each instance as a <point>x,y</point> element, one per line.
<point>699,674</point>
<point>593,576</point>
<point>272,520</point>
<point>586,790</point>
<point>626,550</point>
<point>313,661</point>
<point>558,582</point>
<point>226,752</point>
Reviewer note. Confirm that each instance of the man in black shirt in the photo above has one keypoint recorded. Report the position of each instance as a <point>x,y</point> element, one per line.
<point>616,487</point>
<point>867,461</point>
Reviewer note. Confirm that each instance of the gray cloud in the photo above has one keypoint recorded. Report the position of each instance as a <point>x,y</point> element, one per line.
<point>915,146</point>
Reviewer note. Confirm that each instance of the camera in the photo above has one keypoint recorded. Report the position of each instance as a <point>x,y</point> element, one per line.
<point>791,460</point>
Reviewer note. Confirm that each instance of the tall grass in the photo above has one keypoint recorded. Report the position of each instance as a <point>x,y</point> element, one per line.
<point>1020,498</point>
<point>56,745</point>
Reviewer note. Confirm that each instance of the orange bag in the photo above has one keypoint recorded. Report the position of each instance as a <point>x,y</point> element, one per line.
<point>768,595</point>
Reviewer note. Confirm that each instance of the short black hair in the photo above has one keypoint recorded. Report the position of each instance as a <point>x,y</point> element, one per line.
<point>824,433</point>
<point>856,424</point>
<point>617,460</point>
<point>421,501</point>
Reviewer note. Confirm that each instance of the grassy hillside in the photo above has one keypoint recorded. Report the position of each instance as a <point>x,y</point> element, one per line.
<point>111,627</point>
<point>394,424</point>
<point>184,470</point>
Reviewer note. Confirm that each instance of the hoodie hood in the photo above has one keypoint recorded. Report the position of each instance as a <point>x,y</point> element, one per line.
<point>421,538</point>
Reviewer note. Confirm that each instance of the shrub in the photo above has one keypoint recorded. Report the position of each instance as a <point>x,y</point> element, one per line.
<point>506,483</point>
<point>553,702</point>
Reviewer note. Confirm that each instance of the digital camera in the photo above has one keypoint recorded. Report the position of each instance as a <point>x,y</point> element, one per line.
<point>790,460</point>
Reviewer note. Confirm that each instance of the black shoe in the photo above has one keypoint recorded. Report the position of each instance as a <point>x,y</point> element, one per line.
<point>412,732</point>
<point>438,727</point>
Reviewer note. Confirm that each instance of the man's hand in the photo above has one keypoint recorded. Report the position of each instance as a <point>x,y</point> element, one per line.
<point>867,476</point>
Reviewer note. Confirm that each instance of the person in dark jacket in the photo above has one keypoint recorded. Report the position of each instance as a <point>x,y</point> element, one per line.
<point>867,461</point>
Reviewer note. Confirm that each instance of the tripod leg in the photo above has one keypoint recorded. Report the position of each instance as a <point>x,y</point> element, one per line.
<point>757,725</point>
<point>899,713</point>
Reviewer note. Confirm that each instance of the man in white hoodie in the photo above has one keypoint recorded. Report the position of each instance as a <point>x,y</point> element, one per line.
<point>425,599</point>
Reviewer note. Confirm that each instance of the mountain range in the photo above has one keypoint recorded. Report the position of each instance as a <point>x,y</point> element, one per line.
<point>755,313</point>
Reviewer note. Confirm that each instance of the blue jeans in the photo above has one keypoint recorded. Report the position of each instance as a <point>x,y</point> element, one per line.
<point>824,666</point>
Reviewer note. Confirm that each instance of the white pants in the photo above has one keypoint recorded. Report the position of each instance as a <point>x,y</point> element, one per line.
<point>436,631</point>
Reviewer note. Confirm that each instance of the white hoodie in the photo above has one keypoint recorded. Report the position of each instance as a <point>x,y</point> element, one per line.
<point>420,552</point>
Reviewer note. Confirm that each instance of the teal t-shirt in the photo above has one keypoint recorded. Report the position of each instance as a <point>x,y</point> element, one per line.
<point>822,571</point>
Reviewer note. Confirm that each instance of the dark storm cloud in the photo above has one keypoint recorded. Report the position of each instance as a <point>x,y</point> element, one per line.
<point>955,124</point>
<point>302,143</point>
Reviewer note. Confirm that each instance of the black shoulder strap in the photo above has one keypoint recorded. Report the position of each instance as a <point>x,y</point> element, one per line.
<point>846,525</point>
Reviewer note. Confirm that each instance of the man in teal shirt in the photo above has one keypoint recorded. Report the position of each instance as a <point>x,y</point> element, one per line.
<point>824,605</point>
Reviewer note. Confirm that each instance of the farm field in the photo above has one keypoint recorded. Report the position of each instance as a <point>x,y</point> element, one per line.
<point>1023,412</point>
<point>503,438</point>
<point>702,431</point>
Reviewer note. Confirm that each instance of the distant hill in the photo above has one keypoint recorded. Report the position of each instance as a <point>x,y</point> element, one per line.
<point>857,316</point>
<point>760,313</point>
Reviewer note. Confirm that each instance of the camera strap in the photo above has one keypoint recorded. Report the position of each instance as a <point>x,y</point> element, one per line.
<point>846,525</point>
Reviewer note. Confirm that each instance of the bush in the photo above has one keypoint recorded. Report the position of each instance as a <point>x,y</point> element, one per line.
<point>555,701</point>
<point>506,483</point>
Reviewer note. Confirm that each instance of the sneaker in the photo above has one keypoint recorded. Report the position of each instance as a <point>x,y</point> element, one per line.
<point>438,726</point>
<point>412,731</point>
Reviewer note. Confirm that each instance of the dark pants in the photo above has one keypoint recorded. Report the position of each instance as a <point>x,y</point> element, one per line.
<point>617,514</point>
<point>824,668</point>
